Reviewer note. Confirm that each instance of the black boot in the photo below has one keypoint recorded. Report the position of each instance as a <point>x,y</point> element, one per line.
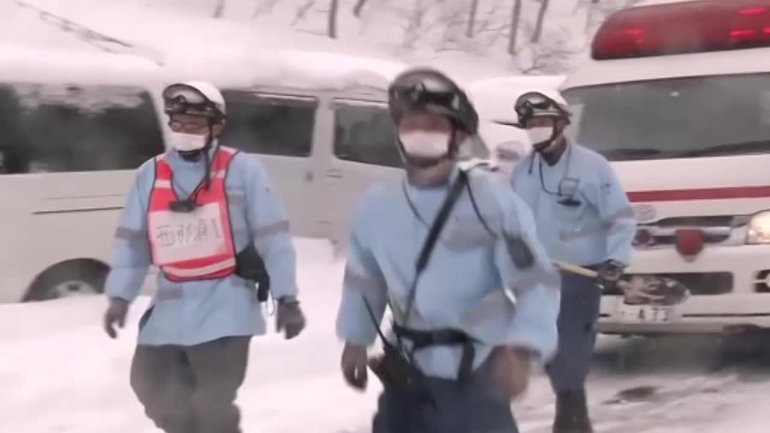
<point>572,413</point>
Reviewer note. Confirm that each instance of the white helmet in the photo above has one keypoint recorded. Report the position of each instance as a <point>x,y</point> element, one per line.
<point>539,103</point>
<point>195,98</point>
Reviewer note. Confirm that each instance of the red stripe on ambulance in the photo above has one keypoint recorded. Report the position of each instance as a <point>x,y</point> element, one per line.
<point>700,194</point>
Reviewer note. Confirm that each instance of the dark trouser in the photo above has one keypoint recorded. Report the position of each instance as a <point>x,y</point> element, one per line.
<point>475,408</point>
<point>191,389</point>
<point>580,299</point>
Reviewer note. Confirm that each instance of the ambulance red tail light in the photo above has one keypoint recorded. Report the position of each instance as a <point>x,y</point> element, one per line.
<point>680,28</point>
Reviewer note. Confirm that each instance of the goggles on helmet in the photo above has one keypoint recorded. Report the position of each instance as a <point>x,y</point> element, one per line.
<point>532,104</point>
<point>184,99</point>
<point>427,91</point>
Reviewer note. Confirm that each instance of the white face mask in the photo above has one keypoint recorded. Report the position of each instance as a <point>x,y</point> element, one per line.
<point>539,134</point>
<point>187,142</point>
<point>425,144</point>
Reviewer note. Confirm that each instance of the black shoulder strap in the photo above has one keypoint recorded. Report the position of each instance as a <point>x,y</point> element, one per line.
<point>433,234</point>
<point>438,223</point>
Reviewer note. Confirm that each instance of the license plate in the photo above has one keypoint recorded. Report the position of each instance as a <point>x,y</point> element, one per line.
<point>646,313</point>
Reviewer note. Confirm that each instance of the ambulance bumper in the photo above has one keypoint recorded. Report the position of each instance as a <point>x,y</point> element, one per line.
<point>729,285</point>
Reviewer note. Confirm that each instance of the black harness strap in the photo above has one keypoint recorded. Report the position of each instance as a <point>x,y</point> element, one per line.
<point>435,231</point>
<point>422,339</point>
<point>443,337</point>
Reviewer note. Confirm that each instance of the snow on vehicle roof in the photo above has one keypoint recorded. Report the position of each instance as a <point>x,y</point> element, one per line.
<point>592,73</point>
<point>229,54</point>
<point>20,26</point>
<point>494,97</point>
<point>34,64</point>
<point>285,69</point>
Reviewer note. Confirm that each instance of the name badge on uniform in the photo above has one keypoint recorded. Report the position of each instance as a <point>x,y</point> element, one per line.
<point>568,186</point>
<point>177,237</point>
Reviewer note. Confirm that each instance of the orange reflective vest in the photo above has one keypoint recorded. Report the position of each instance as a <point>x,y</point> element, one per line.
<point>193,245</point>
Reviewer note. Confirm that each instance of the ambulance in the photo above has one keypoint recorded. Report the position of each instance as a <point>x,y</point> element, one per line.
<point>676,95</point>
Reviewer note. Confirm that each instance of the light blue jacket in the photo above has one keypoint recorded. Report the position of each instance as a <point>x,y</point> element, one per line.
<point>199,311</point>
<point>601,227</point>
<point>470,283</point>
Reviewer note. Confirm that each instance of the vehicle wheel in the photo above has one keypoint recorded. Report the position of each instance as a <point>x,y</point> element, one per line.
<point>67,279</point>
<point>747,346</point>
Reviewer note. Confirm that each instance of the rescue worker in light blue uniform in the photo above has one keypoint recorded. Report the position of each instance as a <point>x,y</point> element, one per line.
<point>583,217</point>
<point>189,212</point>
<point>467,323</point>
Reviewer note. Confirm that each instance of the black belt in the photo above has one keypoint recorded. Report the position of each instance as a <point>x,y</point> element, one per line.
<point>443,337</point>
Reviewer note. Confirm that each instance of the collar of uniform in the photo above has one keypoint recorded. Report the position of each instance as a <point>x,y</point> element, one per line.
<point>565,156</point>
<point>437,187</point>
<point>172,155</point>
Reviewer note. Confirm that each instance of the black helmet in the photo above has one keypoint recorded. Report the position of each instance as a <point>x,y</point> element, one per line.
<point>428,90</point>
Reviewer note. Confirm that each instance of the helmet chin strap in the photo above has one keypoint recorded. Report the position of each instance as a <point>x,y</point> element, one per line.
<point>545,146</point>
<point>550,144</point>
<point>418,162</point>
<point>195,155</point>
<point>552,152</point>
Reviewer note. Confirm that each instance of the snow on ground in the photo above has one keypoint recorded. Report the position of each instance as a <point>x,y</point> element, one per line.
<point>59,373</point>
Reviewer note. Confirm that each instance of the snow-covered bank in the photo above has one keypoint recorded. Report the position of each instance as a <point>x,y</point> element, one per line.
<point>59,373</point>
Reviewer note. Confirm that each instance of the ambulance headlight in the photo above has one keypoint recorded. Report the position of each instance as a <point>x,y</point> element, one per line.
<point>759,229</point>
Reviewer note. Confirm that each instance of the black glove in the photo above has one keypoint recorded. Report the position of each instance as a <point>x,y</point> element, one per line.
<point>115,315</point>
<point>289,318</point>
<point>354,365</point>
<point>610,272</point>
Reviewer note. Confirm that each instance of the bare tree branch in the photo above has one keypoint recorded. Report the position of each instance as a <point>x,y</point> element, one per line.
<point>497,29</point>
<point>491,41</point>
<point>469,32</point>
<point>538,32</point>
<point>452,21</point>
<point>312,32</point>
<point>552,56</point>
<point>489,18</point>
<point>302,12</point>
<point>515,21</point>
<point>358,8</point>
<point>331,28</point>
<point>450,49</point>
<point>220,9</point>
<point>263,7</point>
<point>415,23</point>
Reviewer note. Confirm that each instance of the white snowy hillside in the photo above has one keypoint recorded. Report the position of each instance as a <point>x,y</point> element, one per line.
<point>527,36</point>
<point>473,38</point>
